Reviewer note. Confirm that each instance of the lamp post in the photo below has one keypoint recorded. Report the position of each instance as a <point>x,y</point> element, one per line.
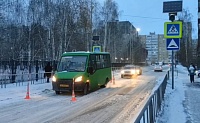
<point>138,30</point>
<point>122,60</point>
<point>115,59</point>
<point>137,39</point>
<point>127,60</point>
<point>12,55</point>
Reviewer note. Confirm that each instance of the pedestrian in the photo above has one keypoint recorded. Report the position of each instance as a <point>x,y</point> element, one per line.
<point>191,73</point>
<point>48,70</point>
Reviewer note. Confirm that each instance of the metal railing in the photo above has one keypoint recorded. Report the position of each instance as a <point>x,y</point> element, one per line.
<point>20,79</point>
<point>151,109</point>
<point>33,78</point>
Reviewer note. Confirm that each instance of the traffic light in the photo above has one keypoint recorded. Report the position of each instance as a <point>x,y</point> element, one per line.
<point>172,16</point>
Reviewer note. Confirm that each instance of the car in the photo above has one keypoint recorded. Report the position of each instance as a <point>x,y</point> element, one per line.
<point>130,70</point>
<point>197,72</point>
<point>158,68</point>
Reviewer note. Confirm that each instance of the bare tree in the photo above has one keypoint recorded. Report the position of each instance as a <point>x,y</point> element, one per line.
<point>185,53</point>
<point>44,29</point>
<point>109,13</point>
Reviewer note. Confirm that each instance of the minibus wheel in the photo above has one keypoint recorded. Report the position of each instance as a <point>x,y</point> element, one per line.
<point>57,92</point>
<point>86,89</point>
<point>106,82</point>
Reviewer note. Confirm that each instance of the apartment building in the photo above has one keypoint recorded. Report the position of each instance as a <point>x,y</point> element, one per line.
<point>156,47</point>
<point>163,54</point>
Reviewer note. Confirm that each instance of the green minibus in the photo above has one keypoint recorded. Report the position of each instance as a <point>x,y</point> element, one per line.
<point>87,70</point>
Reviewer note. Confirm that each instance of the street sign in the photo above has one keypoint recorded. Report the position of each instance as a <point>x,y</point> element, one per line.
<point>173,44</point>
<point>173,29</point>
<point>96,48</point>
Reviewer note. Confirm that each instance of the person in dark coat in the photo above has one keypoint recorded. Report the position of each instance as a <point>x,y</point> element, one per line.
<point>48,69</point>
<point>191,71</point>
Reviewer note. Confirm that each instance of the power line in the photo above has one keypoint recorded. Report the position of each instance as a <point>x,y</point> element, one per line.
<point>152,17</point>
<point>144,17</point>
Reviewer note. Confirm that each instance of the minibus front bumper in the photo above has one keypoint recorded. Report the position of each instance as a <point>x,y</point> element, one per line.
<point>67,85</point>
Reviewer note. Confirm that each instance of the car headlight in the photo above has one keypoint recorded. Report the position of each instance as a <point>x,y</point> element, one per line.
<point>133,71</point>
<point>122,72</point>
<point>53,79</point>
<point>78,79</point>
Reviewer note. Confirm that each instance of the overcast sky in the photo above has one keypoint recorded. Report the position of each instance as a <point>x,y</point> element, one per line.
<point>148,14</point>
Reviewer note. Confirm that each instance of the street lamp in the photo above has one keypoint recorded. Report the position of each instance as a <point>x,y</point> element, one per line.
<point>122,60</point>
<point>115,59</point>
<point>137,29</point>
<point>12,50</point>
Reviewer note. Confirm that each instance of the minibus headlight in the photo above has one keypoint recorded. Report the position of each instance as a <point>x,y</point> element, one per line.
<point>53,79</point>
<point>78,79</point>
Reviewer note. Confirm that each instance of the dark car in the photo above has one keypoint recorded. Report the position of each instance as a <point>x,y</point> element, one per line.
<point>130,70</point>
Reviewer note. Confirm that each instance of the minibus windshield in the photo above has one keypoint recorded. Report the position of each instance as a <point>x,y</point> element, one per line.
<point>72,64</point>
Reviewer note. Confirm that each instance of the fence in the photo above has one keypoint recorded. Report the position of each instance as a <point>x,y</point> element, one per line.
<point>25,76</point>
<point>22,78</point>
<point>14,68</point>
<point>149,113</point>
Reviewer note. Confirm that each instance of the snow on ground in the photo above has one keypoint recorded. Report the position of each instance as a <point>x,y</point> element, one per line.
<point>181,104</point>
<point>15,93</point>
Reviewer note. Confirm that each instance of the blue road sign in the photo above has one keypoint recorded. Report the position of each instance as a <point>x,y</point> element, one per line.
<point>173,29</point>
<point>173,44</point>
<point>96,48</point>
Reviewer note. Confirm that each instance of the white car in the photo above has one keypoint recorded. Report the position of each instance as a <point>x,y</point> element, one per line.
<point>197,72</point>
<point>130,70</point>
<point>158,68</point>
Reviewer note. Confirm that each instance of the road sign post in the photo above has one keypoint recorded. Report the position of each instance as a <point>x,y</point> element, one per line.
<point>172,30</point>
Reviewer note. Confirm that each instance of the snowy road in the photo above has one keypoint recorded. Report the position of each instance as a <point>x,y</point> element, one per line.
<point>119,102</point>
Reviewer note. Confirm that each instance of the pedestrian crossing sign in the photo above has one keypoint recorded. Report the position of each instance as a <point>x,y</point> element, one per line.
<point>96,48</point>
<point>173,44</point>
<point>173,29</point>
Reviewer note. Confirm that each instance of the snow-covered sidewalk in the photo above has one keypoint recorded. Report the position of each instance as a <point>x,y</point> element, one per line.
<point>181,104</point>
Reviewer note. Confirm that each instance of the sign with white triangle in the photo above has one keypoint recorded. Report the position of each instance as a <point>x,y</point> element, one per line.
<point>173,30</point>
<point>173,44</point>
